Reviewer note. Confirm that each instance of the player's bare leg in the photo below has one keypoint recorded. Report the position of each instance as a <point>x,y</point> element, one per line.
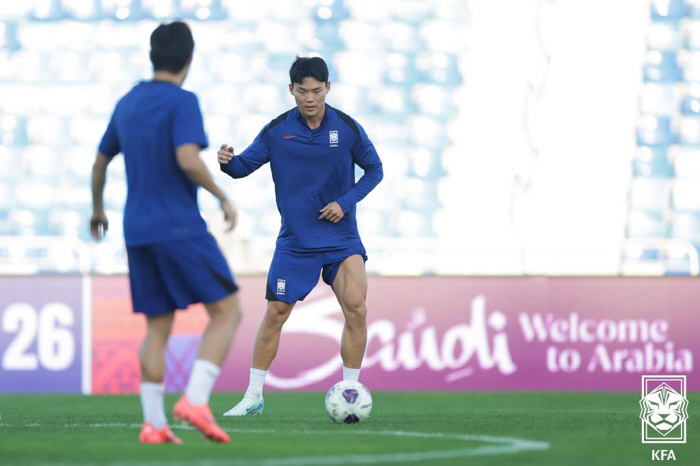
<point>152,353</point>
<point>224,317</point>
<point>266,344</point>
<point>152,356</point>
<point>193,406</point>
<point>350,287</point>
<point>268,340</point>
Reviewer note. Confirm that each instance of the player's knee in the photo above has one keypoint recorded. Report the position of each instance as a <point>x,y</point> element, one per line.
<point>278,309</point>
<point>227,308</point>
<point>355,309</point>
<point>234,311</point>
<point>235,315</point>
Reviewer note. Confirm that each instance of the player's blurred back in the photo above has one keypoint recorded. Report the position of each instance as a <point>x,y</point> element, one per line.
<point>173,260</point>
<point>148,123</point>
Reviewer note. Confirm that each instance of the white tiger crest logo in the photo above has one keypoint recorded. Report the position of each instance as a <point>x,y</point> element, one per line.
<point>663,409</point>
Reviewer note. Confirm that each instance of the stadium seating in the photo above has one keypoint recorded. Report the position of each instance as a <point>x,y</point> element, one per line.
<point>664,219</point>
<point>64,64</point>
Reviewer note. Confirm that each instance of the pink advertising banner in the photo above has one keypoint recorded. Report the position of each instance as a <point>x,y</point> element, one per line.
<point>439,333</point>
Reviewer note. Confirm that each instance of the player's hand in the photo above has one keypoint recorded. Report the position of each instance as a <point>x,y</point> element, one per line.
<point>230,215</point>
<point>98,225</point>
<point>332,212</point>
<point>225,154</point>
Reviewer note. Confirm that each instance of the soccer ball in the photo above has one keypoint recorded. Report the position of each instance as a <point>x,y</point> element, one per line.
<point>348,402</point>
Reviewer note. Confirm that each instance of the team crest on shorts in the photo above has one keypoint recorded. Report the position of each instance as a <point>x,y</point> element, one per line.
<point>281,286</point>
<point>333,135</point>
<point>664,409</point>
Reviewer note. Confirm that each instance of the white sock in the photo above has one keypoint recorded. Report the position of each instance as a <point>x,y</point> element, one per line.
<point>351,374</point>
<point>204,374</point>
<point>255,386</point>
<point>152,404</point>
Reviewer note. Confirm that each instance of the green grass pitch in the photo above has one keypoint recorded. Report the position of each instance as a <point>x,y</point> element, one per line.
<point>437,429</point>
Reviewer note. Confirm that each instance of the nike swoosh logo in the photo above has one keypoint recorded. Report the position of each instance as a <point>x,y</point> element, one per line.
<point>256,406</point>
<point>289,137</point>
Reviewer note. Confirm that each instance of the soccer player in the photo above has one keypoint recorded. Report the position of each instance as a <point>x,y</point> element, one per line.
<point>173,260</point>
<point>312,150</point>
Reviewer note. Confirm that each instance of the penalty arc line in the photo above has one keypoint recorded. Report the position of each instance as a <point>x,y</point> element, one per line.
<point>501,446</point>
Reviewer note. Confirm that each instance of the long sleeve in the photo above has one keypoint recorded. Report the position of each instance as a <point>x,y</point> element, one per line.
<point>366,157</point>
<point>254,157</point>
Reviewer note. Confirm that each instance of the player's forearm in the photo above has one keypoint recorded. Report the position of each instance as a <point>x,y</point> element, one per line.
<point>371,178</point>
<point>236,168</point>
<point>99,178</point>
<point>198,173</point>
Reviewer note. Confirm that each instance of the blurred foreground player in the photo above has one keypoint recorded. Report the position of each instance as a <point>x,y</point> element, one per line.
<point>173,260</point>
<point>312,150</point>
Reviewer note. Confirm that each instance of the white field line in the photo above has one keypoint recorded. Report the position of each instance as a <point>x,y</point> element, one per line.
<point>499,446</point>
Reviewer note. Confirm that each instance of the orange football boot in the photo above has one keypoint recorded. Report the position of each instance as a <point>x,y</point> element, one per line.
<point>201,418</point>
<point>150,434</point>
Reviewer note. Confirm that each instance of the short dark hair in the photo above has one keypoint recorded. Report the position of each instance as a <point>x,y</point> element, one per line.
<point>171,47</point>
<point>308,67</point>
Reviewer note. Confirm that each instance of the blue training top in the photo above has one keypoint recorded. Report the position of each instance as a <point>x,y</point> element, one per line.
<point>148,124</point>
<point>311,168</point>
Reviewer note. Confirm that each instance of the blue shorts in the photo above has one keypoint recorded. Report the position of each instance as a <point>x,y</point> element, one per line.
<point>169,276</point>
<point>293,274</point>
